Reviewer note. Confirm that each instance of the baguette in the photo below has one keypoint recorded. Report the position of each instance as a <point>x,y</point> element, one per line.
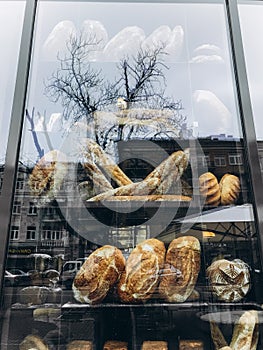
<point>217,336</point>
<point>104,161</point>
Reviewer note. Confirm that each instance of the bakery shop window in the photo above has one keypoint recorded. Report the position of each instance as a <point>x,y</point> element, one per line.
<point>31,233</point>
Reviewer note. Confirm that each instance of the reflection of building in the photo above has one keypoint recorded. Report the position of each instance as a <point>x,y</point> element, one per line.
<point>43,229</point>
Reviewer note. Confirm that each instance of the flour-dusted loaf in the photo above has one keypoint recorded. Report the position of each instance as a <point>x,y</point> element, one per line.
<point>181,269</point>
<point>140,278</point>
<point>33,342</point>
<point>98,274</point>
<point>48,174</point>
<point>245,334</point>
<point>229,189</point>
<point>80,345</point>
<point>209,189</point>
<point>170,170</point>
<point>229,280</point>
<point>154,345</point>
<point>97,155</point>
<point>115,345</point>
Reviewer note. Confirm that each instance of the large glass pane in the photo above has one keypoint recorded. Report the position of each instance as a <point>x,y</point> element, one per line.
<point>251,25</point>
<point>133,209</point>
<point>11,20</point>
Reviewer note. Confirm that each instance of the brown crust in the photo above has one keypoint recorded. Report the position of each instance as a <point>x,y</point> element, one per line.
<point>149,198</point>
<point>115,345</point>
<point>99,180</point>
<point>141,188</point>
<point>48,174</point>
<point>217,336</point>
<point>104,161</point>
<point>80,345</point>
<point>191,345</point>
<point>154,345</point>
<point>209,189</point>
<point>182,265</point>
<point>229,188</point>
<point>98,274</point>
<point>140,278</point>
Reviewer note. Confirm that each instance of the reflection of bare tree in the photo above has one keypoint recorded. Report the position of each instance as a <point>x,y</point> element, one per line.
<point>79,86</point>
<point>31,120</point>
<point>140,84</point>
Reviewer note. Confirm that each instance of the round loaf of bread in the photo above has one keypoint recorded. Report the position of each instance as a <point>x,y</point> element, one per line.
<point>79,345</point>
<point>229,280</point>
<point>33,342</point>
<point>140,278</point>
<point>182,265</point>
<point>229,189</point>
<point>98,274</point>
<point>209,189</point>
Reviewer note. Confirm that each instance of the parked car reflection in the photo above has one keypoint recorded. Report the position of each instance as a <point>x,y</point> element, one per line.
<point>16,277</point>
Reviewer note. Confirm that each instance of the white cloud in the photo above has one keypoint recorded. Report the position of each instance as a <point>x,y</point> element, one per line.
<point>212,115</point>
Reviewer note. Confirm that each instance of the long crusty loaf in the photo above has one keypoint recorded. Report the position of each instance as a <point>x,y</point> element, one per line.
<point>142,188</point>
<point>97,178</point>
<point>140,278</point>
<point>98,274</point>
<point>95,153</point>
<point>245,334</point>
<point>182,265</point>
<point>217,336</point>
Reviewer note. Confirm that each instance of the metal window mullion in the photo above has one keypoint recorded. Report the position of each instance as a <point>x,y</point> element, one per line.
<point>249,134</point>
<point>15,131</point>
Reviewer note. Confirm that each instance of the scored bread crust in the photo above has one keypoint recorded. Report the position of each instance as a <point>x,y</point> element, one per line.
<point>140,278</point>
<point>181,269</point>
<point>209,189</point>
<point>229,188</point>
<point>33,342</point>
<point>229,280</point>
<point>95,153</point>
<point>115,345</point>
<point>79,345</point>
<point>98,274</point>
<point>154,345</point>
<point>48,174</point>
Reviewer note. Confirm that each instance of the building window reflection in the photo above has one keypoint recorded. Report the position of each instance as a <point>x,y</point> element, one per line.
<point>235,159</point>
<point>31,233</point>
<point>220,161</point>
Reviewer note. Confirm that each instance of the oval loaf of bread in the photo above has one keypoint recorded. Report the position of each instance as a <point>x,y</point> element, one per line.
<point>229,189</point>
<point>209,189</point>
<point>98,274</point>
<point>182,265</point>
<point>141,275</point>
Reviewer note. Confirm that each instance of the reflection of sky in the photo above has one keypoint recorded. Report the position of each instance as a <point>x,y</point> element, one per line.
<point>252,31</point>
<point>11,16</point>
<point>200,70</point>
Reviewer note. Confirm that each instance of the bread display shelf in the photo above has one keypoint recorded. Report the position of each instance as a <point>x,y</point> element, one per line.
<point>67,307</point>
